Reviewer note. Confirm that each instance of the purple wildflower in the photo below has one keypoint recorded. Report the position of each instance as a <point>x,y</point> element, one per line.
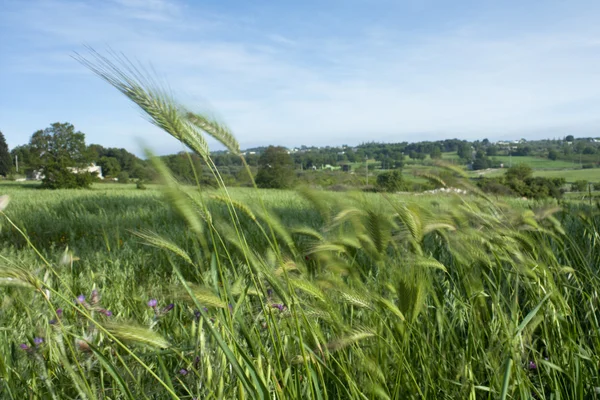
<point>532,365</point>
<point>52,322</point>
<point>152,303</point>
<point>269,292</point>
<point>59,312</point>
<point>80,299</point>
<point>197,314</point>
<point>168,308</point>
<point>23,346</point>
<point>38,341</point>
<point>280,307</point>
<point>108,313</point>
<point>183,371</point>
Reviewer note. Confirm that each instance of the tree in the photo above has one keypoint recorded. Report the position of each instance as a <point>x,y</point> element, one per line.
<point>519,172</point>
<point>5,158</point>
<point>553,155</point>
<point>436,153</point>
<point>275,169</point>
<point>491,151</point>
<point>110,166</point>
<point>569,138</point>
<point>58,151</point>
<point>465,151</point>
<point>390,181</point>
<point>481,161</point>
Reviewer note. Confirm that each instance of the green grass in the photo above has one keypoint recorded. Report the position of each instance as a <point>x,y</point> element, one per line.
<point>536,163</point>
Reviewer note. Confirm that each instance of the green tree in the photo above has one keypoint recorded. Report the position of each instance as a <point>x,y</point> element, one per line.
<point>519,172</point>
<point>5,158</point>
<point>569,138</point>
<point>436,153</point>
<point>391,181</point>
<point>110,166</point>
<point>491,151</point>
<point>58,151</point>
<point>553,155</point>
<point>481,161</point>
<point>275,169</point>
<point>465,151</point>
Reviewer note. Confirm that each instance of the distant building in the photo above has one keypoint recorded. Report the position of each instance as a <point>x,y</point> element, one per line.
<point>37,175</point>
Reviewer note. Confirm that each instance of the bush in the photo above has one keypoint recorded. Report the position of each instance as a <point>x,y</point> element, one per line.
<point>140,185</point>
<point>579,186</point>
<point>391,181</point>
<point>123,177</point>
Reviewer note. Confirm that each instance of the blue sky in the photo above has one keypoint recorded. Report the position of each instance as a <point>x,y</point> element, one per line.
<point>326,72</point>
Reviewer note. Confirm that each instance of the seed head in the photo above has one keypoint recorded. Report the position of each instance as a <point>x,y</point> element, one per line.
<point>95,297</point>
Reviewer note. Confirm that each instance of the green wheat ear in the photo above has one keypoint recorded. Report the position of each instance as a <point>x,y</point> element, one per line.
<point>137,334</point>
<point>158,105</point>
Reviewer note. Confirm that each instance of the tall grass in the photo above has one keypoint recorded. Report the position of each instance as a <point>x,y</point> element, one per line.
<point>220,294</point>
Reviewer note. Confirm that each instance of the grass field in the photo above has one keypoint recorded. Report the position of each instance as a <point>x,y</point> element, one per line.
<point>537,163</point>
<point>360,290</point>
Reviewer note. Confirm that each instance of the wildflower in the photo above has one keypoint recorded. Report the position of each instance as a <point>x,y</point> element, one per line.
<point>269,292</point>
<point>532,365</point>
<point>38,341</point>
<point>197,314</point>
<point>81,299</point>
<point>95,298</point>
<point>108,313</point>
<point>23,346</point>
<point>59,312</point>
<point>280,307</point>
<point>183,371</point>
<point>152,303</point>
<point>168,308</point>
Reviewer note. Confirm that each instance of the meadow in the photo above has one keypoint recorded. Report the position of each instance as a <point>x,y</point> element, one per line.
<point>185,292</point>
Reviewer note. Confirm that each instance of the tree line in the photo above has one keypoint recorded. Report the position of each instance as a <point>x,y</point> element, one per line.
<point>59,155</point>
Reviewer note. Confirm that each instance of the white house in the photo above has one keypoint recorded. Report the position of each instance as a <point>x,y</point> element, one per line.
<point>92,168</point>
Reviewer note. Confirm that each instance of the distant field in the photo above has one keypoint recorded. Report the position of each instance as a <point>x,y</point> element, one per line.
<point>591,175</point>
<point>535,162</point>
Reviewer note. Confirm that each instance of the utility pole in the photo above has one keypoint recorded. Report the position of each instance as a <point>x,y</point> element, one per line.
<point>367,168</point>
<point>17,161</point>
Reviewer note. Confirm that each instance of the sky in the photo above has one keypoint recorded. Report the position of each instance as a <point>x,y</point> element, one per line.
<point>326,72</point>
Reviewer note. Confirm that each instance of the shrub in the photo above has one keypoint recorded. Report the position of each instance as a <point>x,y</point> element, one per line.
<point>391,181</point>
<point>579,186</point>
<point>123,177</point>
